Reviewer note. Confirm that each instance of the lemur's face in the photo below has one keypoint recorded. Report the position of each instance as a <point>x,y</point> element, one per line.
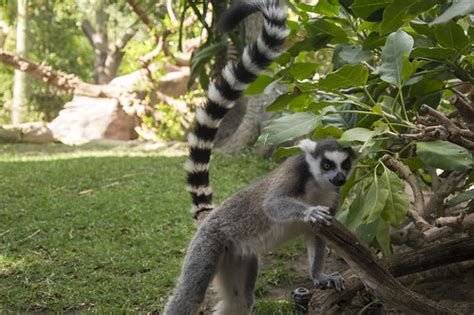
<point>329,163</point>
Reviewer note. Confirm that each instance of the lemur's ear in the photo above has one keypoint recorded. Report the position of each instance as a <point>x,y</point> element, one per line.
<point>307,146</point>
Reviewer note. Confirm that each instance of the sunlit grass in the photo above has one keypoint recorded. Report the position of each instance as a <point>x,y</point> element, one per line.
<point>101,228</point>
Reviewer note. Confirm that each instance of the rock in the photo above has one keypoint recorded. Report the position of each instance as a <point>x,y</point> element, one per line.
<point>33,132</point>
<point>86,119</point>
<point>173,83</point>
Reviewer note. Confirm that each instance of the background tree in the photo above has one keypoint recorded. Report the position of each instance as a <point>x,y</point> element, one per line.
<point>107,54</point>
<point>20,85</point>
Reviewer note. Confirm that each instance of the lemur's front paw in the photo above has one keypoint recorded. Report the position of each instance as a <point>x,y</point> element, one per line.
<point>334,280</point>
<point>318,214</point>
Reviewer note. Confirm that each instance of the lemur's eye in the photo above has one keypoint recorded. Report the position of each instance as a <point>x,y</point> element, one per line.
<point>346,165</point>
<point>326,164</point>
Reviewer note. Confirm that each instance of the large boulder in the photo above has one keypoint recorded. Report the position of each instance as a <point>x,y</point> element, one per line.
<point>174,82</point>
<point>32,132</point>
<point>86,119</point>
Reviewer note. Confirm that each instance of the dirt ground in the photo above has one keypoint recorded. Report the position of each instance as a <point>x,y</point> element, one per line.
<point>450,292</point>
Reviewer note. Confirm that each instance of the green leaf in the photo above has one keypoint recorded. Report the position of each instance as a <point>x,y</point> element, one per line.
<point>201,58</point>
<point>302,70</point>
<point>281,102</point>
<point>356,134</point>
<point>288,127</point>
<point>409,68</point>
<point>310,44</point>
<point>383,238</point>
<point>422,29</point>
<point>356,211</point>
<point>318,26</point>
<point>259,85</point>
<point>364,8</point>
<point>451,35</point>
<point>374,40</point>
<point>397,203</point>
<point>327,8</point>
<point>344,77</point>
<point>366,232</point>
<point>345,54</point>
<point>398,44</point>
<point>458,8</point>
<point>414,163</point>
<point>375,200</point>
<point>286,151</point>
<point>327,131</point>
<point>461,197</point>
<point>444,155</point>
<point>401,11</point>
<point>433,53</point>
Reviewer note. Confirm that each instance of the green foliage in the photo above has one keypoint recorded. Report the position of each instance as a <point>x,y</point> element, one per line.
<point>388,58</point>
<point>444,155</point>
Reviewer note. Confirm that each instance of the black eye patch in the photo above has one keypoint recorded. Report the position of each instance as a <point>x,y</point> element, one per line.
<point>346,164</point>
<point>327,164</point>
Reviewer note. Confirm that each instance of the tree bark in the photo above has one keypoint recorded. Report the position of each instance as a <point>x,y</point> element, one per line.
<point>20,83</point>
<point>108,56</point>
<point>374,276</point>
<point>70,83</point>
<point>429,257</point>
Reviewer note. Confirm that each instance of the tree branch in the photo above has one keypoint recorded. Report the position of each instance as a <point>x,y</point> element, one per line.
<point>426,258</point>
<point>458,135</point>
<point>419,202</point>
<point>88,31</point>
<point>447,187</point>
<point>142,15</point>
<point>70,83</point>
<point>126,37</point>
<point>374,276</point>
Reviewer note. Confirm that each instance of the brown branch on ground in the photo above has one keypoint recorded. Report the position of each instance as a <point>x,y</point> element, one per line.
<point>428,257</point>
<point>70,83</point>
<point>377,278</point>
<point>419,202</point>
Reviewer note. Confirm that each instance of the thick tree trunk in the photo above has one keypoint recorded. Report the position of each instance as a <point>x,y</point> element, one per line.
<point>20,83</point>
<point>108,56</point>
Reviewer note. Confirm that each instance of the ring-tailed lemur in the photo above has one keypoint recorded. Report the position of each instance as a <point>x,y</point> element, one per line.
<point>283,205</point>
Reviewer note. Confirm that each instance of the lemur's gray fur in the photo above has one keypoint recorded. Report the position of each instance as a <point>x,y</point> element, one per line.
<point>281,206</point>
<point>287,203</point>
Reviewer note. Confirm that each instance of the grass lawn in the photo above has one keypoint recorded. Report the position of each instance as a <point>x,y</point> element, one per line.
<point>105,228</point>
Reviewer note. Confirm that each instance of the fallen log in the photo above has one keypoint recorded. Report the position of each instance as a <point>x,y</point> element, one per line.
<point>426,258</point>
<point>376,277</point>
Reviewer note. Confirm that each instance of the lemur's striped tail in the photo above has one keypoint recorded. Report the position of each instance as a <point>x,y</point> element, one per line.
<point>223,93</point>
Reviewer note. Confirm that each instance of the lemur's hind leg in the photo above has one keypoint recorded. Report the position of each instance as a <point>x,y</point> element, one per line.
<point>235,281</point>
<point>317,253</point>
<point>199,268</point>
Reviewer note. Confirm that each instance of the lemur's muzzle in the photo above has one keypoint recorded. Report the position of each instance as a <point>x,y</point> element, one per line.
<point>338,180</point>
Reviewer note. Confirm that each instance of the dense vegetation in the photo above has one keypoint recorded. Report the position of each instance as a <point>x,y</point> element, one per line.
<point>393,78</point>
<point>398,71</point>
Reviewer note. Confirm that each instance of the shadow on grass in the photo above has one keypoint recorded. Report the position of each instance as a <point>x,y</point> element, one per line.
<point>99,233</point>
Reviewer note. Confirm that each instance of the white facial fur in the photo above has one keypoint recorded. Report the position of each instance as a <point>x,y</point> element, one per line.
<point>321,176</point>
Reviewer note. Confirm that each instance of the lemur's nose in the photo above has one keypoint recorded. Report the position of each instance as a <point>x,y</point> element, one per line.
<point>339,179</point>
